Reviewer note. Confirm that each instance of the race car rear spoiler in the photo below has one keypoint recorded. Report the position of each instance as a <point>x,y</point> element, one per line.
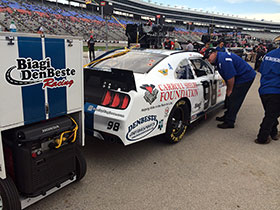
<point>98,80</point>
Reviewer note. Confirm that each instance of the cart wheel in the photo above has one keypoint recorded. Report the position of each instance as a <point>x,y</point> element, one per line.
<point>9,198</point>
<point>81,165</point>
<point>177,122</point>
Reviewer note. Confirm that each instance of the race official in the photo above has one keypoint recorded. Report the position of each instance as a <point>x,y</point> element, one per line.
<point>239,76</point>
<point>91,43</point>
<point>270,96</point>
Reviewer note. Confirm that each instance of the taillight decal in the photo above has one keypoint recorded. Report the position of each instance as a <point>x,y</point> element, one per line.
<point>116,101</point>
<point>107,99</point>
<point>125,102</point>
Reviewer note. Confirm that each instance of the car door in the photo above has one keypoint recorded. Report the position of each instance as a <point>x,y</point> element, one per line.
<point>206,81</point>
<point>184,72</point>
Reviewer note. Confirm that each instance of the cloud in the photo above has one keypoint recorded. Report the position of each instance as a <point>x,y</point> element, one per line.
<point>243,1</point>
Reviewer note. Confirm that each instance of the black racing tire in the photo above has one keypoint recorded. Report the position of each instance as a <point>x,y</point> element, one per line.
<point>9,195</point>
<point>81,165</point>
<point>177,122</point>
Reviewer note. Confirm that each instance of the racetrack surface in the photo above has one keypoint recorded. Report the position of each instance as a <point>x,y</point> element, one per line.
<point>210,169</point>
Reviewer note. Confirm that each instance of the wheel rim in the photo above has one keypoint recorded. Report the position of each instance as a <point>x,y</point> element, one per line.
<point>177,120</point>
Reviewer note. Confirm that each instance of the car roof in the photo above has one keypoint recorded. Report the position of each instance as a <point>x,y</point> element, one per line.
<point>169,52</point>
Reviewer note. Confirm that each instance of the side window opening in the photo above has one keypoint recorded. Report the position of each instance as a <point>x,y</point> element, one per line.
<point>183,71</point>
<point>200,67</point>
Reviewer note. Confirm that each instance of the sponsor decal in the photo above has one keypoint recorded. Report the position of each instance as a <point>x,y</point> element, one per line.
<point>156,106</point>
<point>92,108</point>
<point>160,125</point>
<point>150,94</point>
<point>175,91</point>
<point>197,105</point>
<point>194,117</point>
<point>170,67</point>
<point>27,72</point>
<point>163,71</point>
<point>142,127</point>
<point>166,111</point>
<point>222,83</point>
<point>219,92</point>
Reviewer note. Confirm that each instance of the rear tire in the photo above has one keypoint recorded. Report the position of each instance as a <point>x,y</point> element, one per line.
<point>81,165</point>
<point>9,197</point>
<point>177,122</point>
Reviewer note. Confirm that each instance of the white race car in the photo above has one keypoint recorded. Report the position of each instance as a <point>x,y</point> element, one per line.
<point>136,94</point>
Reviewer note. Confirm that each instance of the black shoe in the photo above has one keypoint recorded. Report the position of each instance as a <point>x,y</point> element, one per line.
<point>275,138</point>
<point>262,142</point>
<point>225,125</point>
<point>221,119</point>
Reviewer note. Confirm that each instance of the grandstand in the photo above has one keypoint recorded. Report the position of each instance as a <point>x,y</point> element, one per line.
<point>85,20</point>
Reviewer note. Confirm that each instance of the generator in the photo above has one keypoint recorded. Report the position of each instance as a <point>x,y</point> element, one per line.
<point>41,116</point>
<point>41,156</point>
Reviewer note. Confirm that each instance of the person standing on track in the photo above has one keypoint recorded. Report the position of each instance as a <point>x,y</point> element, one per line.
<point>221,47</point>
<point>270,96</point>
<point>239,76</point>
<point>91,43</point>
<point>168,44</point>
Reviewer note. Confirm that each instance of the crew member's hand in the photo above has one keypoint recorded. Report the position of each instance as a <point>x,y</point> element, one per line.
<point>229,92</point>
<point>230,84</point>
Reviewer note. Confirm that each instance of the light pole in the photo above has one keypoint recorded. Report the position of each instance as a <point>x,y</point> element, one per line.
<point>102,4</point>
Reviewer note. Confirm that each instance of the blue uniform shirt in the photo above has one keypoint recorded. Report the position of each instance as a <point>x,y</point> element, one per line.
<point>231,65</point>
<point>270,71</point>
<point>223,49</point>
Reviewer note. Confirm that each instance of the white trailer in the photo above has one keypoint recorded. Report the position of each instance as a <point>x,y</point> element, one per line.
<point>41,116</point>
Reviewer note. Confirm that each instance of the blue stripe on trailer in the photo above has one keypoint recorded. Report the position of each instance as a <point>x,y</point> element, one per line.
<point>55,49</point>
<point>33,96</point>
<point>89,117</point>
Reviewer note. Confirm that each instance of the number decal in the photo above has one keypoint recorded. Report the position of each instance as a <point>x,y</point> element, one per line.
<point>206,93</point>
<point>214,92</point>
<point>110,125</point>
<point>113,126</point>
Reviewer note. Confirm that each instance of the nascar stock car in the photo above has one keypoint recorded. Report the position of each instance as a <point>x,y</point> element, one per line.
<point>135,94</point>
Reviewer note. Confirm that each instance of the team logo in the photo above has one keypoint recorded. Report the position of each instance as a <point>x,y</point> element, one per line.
<point>163,71</point>
<point>150,94</point>
<point>28,72</point>
<point>142,127</point>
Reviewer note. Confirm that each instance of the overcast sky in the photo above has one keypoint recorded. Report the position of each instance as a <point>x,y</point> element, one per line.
<point>259,9</point>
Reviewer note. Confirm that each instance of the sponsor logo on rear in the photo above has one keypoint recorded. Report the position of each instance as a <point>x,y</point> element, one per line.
<point>142,127</point>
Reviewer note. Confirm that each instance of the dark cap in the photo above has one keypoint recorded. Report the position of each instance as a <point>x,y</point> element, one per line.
<point>208,52</point>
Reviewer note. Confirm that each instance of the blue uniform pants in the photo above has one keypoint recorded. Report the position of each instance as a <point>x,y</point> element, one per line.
<point>235,100</point>
<point>271,105</point>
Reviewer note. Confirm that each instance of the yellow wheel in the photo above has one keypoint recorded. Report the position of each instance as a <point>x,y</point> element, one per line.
<point>177,122</point>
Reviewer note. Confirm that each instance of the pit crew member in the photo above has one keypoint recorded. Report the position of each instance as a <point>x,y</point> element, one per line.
<point>239,76</point>
<point>270,96</point>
